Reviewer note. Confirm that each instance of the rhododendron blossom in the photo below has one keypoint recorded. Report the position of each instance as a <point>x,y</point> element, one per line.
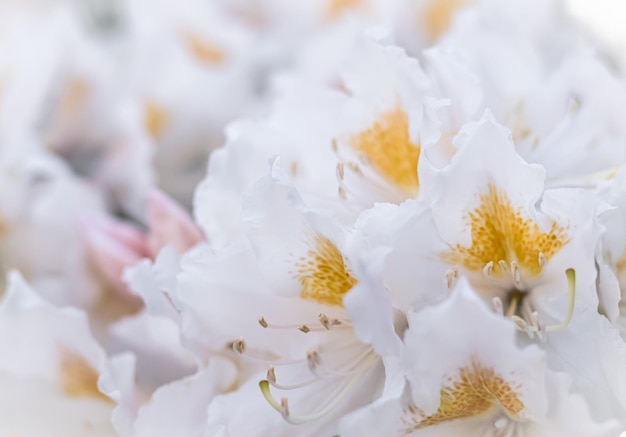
<point>310,218</point>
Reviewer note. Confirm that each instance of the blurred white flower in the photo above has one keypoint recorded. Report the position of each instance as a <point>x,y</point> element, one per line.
<point>49,369</point>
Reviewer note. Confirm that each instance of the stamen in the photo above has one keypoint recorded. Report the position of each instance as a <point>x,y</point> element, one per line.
<point>271,378</point>
<point>324,372</point>
<point>573,104</point>
<point>500,423</point>
<point>503,265</point>
<point>539,326</point>
<point>340,171</point>
<point>271,374</point>
<point>451,275</point>
<point>488,268</point>
<point>542,260</point>
<point>342,193</point>
<point>571,283</point>
<point>497,306</point>
<point>305,327</point>
<point>313,359</point>
<point>516,298</point>
<point>354,167</point>
<point>239,345</point>
<point>515,273</point>
<point>283,407</point>
<point>520,323</point>
<point>529,320</point>
<point>328,323</point>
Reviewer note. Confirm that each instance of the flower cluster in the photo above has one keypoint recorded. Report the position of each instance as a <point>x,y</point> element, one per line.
<point>412,221</point>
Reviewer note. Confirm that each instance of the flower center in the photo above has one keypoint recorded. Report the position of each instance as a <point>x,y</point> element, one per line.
<point>78,377</point>
<point>155,119</point>
<point>323,274</point>
<point>202,50</point>
<point>438,15</point>
<point>388,148</point>
<point>74,97</point>
<point>337,7</point>
<point>502,236</point>
<point>476,391</point>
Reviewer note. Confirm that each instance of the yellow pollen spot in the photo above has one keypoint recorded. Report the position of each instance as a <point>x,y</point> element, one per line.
<point>620,265</point>
<point>338,7</point>
<point>323,274</point>
<point>387,146</point>
<point>438,15</point>
<point>501,232</point>
<point>204,51</point>
<point>155,119</point>
<point>79,379</point>
<point>4,226</point>
<point>73,98</point>
<point>476,391</point>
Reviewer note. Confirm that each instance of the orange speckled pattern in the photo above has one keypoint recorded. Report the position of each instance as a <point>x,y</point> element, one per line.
<point>476,391</point>
<point>323,274</point>
<point>500,231</point>
<point>388,148</point>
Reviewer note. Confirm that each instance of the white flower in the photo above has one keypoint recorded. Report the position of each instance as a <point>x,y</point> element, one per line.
<point>49,369</point>
<point>514,240</point>
<point>559,102</point>
<point>460,384</point>
<point>345,148</point>
<point>41,204</point>
<point>177,408</point>
<point>192,72</point>
<point>281,306</point>
<point>63,91</point>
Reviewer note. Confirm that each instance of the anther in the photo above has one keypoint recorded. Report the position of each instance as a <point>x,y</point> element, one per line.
<point>538,325</point>
<point>542,260</point>
<point>520,323</point>
<point>284,408</point>
<point>451,275</point>
<point>503,265</point>
<point>515,272</point>
<point>497,306</point>
<point>313,359</point>
<point>488,268</point>
<point>334,146</point>
<point>328,323</point>
<point>262,322</point>
<point>342,193</point>
<point>500,423</point>
<point>239,345</point>
<point>304,328</point>
<point>340,170</point>
<point>271,374</point>
<point>524,326</point>
<point>355,168</point>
